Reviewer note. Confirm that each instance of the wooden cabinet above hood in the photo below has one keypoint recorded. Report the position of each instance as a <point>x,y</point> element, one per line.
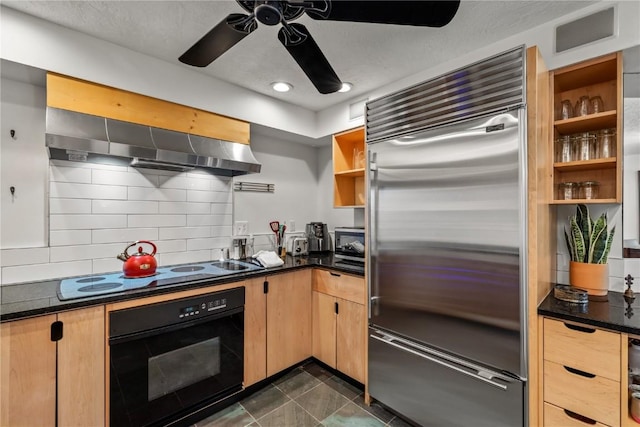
<point>77,95</point>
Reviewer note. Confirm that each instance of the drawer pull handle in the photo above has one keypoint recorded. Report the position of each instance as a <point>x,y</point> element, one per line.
<point>579,372</point>
<point>579,417</point>
<point>334,274</point>
<point>580,328</point>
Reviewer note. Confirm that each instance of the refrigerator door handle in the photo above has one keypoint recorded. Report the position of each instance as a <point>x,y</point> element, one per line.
<point>482,375</point>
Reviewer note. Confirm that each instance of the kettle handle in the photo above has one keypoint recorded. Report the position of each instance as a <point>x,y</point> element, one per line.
<point>137,242</point>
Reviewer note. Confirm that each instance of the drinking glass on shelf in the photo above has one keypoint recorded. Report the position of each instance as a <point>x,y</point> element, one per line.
<point>564,149</point>
<point>567,190</point>
<point>606,143</point>
<point>597,106</point>
<point>358,158</point>
<point>566,110</point>
<point>589,190</point>
<point>582,107</point>
<point>585,146</point>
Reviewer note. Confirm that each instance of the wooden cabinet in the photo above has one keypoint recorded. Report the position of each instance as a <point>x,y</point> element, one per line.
<point>28,372</point>
<point>339,322</point>
<point>348,168</point>
<point>582,375</point>
<point>597,77</point>
<point>30,386</point>
<point>288,320</point>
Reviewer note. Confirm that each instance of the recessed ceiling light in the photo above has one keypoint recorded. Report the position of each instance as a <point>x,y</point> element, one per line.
<point>281,86</point>
<point>346,87</point>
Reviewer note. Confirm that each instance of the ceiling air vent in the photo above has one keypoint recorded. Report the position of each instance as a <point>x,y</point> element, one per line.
<point>588,29</point>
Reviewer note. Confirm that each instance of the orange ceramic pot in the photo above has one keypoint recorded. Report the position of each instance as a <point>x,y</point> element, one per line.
<point>593,278</point>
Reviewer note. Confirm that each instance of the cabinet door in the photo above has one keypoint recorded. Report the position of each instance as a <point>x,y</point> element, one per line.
<point>28,372</point>
<point>324,328</point>
<point>288,320</point>
<point>351,336</point>
<point>255,331</point>
<point>81,368</point>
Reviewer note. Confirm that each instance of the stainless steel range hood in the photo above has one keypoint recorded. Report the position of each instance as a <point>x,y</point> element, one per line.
<point>83,137</point>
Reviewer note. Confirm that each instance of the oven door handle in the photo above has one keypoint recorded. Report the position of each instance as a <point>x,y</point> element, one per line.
<point>175,327</point>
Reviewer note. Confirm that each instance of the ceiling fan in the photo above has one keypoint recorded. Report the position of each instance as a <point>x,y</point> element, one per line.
<point>297,39</point>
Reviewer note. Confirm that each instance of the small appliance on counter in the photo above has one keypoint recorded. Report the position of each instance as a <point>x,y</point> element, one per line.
<point>298,246</point>
<point>238,248</point>
<point>350,243</point>
<point>318,237</point>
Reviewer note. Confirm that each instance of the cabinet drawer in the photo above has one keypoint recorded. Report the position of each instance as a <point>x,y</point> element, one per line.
<point>345,286</point>
<point>587,349</point>
<point>558,417</point>
<point>596,397</point>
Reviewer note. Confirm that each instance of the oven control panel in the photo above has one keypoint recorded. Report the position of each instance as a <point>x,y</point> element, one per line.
<point>166,313</point>
<point>204,306</point>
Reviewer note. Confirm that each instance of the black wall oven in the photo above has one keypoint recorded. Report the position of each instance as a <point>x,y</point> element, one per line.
<point>175,358</point>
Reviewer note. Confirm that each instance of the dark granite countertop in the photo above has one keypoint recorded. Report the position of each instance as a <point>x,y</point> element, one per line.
<point>30,299</point>
<point>614,314</point>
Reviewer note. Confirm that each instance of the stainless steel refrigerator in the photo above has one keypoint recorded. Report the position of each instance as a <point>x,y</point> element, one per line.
<point>446,264</point>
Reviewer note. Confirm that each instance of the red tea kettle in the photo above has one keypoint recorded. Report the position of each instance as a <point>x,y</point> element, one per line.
<point>140,264</point>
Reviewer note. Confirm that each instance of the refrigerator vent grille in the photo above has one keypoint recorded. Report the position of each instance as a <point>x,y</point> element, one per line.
<point>492,85</point>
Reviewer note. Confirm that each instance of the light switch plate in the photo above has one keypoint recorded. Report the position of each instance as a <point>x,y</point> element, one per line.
<point>241,228</point>
<point>291,225</point>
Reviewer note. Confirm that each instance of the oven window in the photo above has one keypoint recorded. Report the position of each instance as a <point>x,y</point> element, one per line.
<point>183,367</point>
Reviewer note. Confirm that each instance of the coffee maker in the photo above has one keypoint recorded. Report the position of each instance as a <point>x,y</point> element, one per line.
<point>318,237</point>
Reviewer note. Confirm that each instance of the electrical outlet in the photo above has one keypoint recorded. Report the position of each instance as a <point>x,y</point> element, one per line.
<point>291,226</point>
<point>241,228</point>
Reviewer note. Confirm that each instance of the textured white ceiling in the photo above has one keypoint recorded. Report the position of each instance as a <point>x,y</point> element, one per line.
<point>367,55</point>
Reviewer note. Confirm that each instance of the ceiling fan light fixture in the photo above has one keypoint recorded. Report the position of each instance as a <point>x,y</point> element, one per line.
<point>346,87</point>
<point>281,86</point>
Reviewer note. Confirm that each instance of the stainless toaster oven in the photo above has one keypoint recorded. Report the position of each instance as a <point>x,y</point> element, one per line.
<point>350,243</point>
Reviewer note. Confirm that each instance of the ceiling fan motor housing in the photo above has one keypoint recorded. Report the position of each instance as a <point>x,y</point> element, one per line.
<point>268,13</point>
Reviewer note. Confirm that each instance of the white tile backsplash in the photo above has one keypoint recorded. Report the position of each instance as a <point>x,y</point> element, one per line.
<point>159,194</point>
<point>123,207</point>
<point>72,253</point>
<point>87,191</point>
<point>69,206</point>
<point>24,256</point>
<point>70,237</point>
<point>157,220</point>
<point>129,179</point>
<point>184,208</point>
<point>123,235</point>
<point>70,174</point>
<point>209,196</point>
<point>168,233</point>
<point>34,272</point>
<point>86,222</point>
<point>96,210</point>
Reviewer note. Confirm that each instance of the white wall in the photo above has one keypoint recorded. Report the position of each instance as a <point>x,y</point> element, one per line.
<point>23,218</point>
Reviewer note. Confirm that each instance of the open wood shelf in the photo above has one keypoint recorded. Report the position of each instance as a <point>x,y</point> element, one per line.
<point>348,172</point>
<point>596,77</point>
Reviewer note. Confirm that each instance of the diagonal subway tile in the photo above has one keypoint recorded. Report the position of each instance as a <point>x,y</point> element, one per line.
<point>289,415</point>
<point>376,409</point>
<point>264,401</point>
<point>317,371</point>
<point>296,383</point>
<point>233,416</point>
<point>347,390</point>
<point>399,422</point>
<point>352,415</point>
<point>322,401</point>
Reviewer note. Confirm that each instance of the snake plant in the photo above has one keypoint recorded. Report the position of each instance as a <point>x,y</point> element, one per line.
<point>588,241</point>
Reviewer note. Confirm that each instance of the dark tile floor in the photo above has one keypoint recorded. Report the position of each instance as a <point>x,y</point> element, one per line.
<point>308,396</point>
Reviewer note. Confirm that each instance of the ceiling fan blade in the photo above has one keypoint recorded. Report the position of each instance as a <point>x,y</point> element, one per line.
<point>435,13</point>
<point>301,46</point>
<point>221,38</point>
